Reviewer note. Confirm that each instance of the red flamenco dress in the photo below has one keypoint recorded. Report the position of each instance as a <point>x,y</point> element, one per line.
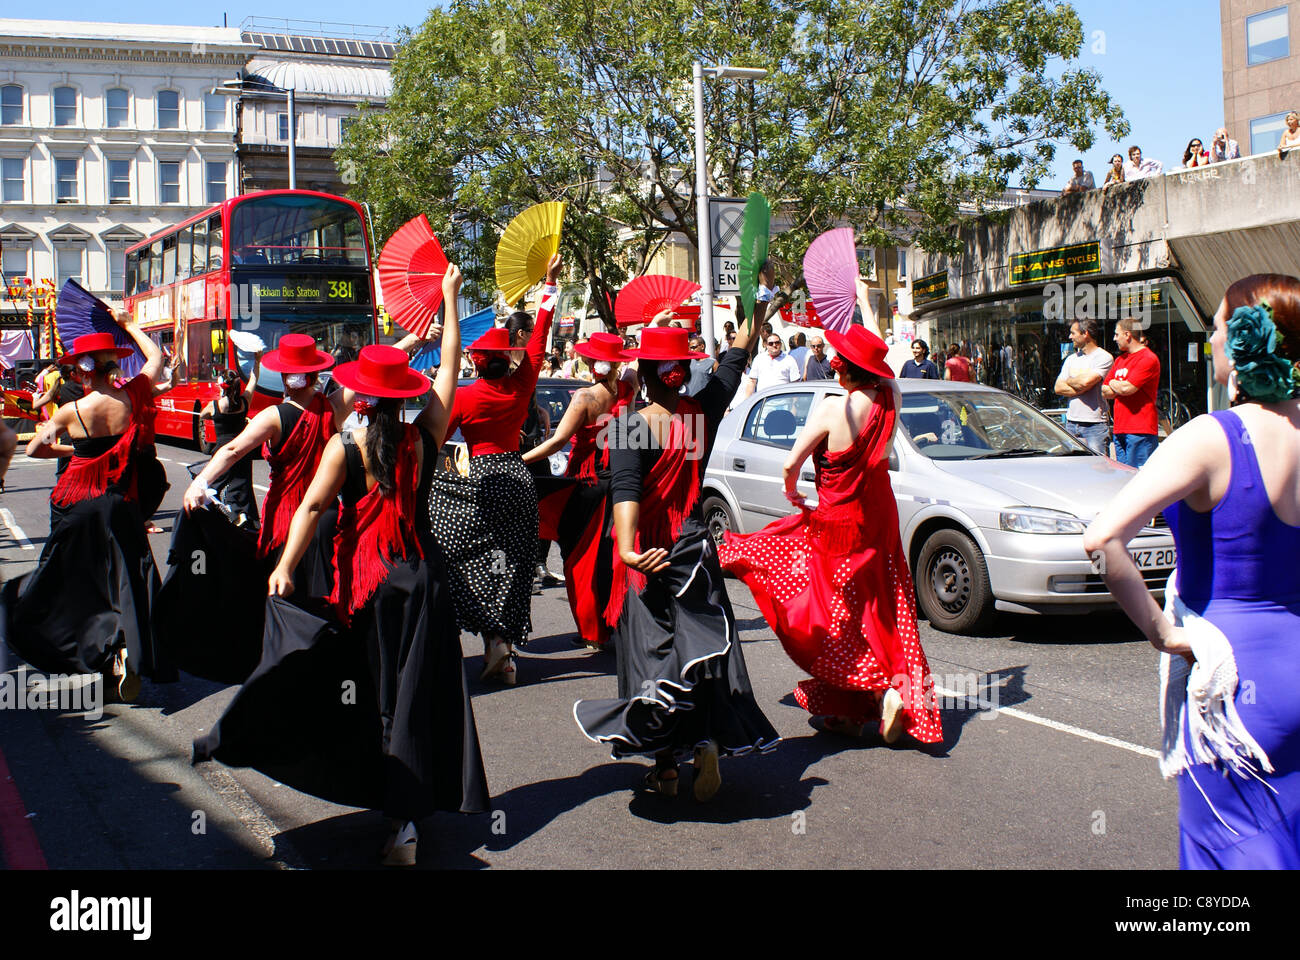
<point>835,587</point>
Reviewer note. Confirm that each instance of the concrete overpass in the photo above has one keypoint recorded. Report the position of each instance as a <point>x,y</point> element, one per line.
<point>1186,235</point>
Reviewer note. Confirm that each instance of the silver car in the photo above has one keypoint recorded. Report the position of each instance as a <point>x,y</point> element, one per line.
<point>993,497</point>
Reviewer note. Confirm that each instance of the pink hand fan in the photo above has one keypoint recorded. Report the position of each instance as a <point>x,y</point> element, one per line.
<point>831,269</point>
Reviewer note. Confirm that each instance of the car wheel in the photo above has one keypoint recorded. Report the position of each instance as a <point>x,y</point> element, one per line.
<point>205,448</point>
<point>952,582</point>
<point>717,517</point>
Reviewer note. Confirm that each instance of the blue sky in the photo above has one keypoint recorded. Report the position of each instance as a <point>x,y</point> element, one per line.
<point>1161,62</point>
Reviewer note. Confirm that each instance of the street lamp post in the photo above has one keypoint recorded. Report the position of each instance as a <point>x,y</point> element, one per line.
<point>237,89</point>
<point>705,245</point>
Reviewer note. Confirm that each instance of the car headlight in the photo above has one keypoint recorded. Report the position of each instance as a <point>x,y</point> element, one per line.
<point>1041,520</point>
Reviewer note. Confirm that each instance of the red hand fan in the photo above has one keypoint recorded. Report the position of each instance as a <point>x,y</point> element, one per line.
<point>411,268</point>
<point>831,269</point>
<point>642,298</point>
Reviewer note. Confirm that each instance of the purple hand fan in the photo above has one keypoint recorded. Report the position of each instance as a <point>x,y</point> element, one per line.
<point>831,269</point>
<point>78,313</point>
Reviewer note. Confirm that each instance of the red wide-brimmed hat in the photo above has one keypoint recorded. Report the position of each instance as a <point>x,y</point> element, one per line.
<point>297,353</point>
<point>382,372</point>
<point>864,349</point>
<point>498,338</point>
<point>604,346</point>
<point>93,343</point>
<point>665,343</point>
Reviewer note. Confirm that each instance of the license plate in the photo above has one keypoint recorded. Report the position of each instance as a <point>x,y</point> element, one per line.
<point>1161,558</point>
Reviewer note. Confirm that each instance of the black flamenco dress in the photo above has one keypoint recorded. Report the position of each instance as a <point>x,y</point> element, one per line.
<point>682,679</point>
<point>367,707</point>
<point>94,585</point>
<point>209,611</point>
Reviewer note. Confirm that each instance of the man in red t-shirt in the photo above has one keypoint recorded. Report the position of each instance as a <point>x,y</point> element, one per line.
<point>1132,383</point>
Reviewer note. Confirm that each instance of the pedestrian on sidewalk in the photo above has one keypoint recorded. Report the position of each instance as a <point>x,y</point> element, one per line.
<point>1080,380</point>
<point>1132,384</point>
<point>1229,485</point>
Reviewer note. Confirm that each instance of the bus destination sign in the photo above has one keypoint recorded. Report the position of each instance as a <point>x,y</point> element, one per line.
<point>306,288</point>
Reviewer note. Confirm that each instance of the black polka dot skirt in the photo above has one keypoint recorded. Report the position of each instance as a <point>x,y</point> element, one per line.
<point>486,527</point>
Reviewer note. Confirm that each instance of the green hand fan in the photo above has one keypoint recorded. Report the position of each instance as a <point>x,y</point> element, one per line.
<point>753,250</point>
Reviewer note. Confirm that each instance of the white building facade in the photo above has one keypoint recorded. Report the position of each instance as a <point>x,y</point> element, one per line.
<point>108,133</point>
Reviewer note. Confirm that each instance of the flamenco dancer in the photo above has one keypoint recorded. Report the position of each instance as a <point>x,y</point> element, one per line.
<point>229,416</point>
<point>1229,488</point>
<point>408,745</point>
<point>682,682</point>
<point>85,608</point>
<point>581,520</point>
<point>833,582</point>
<point>486,523</point>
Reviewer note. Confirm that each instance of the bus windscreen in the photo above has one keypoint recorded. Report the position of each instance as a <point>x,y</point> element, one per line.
<point>286,230</point>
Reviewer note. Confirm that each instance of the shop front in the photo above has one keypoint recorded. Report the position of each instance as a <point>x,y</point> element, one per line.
<point>1017,341</point>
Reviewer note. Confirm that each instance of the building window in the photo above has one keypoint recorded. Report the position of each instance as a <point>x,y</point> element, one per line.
<point>169,110</point>
<point>1266,132</point>
<point>867,259</point>
<point>67,180</point>
<point>119,181</point>
<point>117,269</point>
<point>214,111</point>
<point>69,264</point>
<point>216,181</point>
<point>169,181</point>
<point>11,104</point>
<point>284,128</point>
<point>117,105</point>
<point>13,171</point>
<point>345,124</point>
<point>14,262</point>
<point>1268,37</point>
<point>65,106</point>
<point>902,263</point>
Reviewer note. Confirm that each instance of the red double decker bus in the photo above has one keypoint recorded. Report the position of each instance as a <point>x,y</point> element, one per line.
<point>270,263</point>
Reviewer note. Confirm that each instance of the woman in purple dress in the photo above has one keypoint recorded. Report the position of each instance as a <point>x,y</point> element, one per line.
<point>1229,484</point>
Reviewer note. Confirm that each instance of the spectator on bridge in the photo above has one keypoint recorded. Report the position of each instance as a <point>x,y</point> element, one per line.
<point>818,365</point>
<point>1081,181</point>
<point>956,367</point>
<point>1291,135</point>
<point>1139,169</point>
<point>1132,384</point>
<point>1080,380</point>
<point>1223,148</point>
<point>1116,172</point>
<point>1195,155</point>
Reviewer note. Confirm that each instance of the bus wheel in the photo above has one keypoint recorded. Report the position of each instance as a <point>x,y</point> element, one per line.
<point>205,448</point>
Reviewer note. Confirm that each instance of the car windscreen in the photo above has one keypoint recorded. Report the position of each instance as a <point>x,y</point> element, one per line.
<point>984,424</point>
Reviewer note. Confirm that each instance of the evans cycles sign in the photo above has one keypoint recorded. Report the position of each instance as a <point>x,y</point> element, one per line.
<point>1056,263</point>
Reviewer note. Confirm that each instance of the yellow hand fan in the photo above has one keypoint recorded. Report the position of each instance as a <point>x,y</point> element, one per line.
<point>526,247</point>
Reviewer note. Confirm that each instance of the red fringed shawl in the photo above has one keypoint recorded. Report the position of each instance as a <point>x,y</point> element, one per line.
<point>668,495</point>
<point>88,477</point>
<point>292,467</point>
<point>375,532</point>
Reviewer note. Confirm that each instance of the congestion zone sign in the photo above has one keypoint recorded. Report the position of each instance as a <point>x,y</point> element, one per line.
<point>726,222</point>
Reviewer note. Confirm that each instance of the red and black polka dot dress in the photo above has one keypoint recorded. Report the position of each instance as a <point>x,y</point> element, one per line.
<point>835,587</point>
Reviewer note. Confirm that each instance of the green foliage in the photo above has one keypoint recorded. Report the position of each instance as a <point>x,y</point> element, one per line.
<point>886,114</point>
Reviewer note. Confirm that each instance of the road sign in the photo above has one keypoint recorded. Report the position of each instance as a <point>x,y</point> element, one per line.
<point>726,220</point>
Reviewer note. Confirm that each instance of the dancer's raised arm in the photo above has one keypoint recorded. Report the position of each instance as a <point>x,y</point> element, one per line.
<point>324,490</point>
<point>437,412</point>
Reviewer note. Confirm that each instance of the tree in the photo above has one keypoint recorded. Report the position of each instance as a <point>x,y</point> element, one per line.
<point>887,114</point>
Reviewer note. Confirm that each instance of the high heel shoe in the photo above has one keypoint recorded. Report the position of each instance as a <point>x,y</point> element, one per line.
<point>708,778</point>
<point>495,659</point>
<point>657,781</point>
<point>403,849</point>
<point>891,715</point>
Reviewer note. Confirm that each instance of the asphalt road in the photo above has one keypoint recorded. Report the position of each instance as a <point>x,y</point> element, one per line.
<point>1062,774</point>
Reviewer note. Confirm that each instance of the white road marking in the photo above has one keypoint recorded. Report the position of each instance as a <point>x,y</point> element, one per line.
<point>1053,724</point>
<point>14,530</point>
<point>258,486</point>
<point>165,460</point>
